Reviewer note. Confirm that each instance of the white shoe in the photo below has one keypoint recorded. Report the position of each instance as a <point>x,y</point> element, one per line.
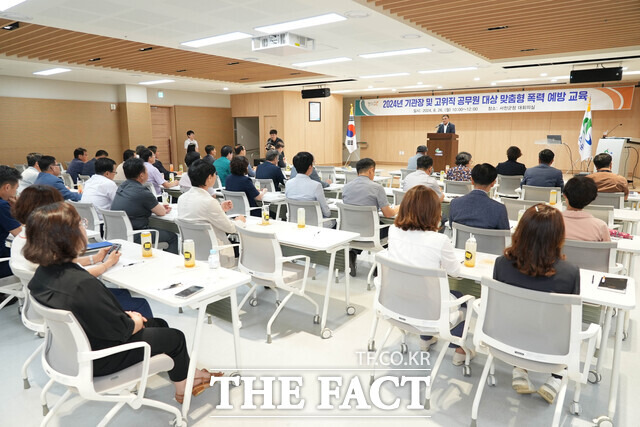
<point>459,358</point>
<point>521,383</point>
<point>425,345</point>
<point>550,389</point>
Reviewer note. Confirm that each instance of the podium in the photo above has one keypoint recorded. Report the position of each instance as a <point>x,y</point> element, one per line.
<point>443,148</point>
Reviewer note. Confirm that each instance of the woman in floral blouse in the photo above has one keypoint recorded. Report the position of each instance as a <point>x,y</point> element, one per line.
<point>461,172</point>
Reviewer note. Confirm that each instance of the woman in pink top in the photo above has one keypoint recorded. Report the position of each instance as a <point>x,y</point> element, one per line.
<point>579,191</point>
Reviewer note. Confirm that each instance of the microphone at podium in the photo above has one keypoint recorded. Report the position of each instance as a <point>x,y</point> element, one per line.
<point>604,135</point>
<point>438,125</point>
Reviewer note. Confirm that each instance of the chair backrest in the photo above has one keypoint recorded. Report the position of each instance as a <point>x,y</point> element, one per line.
<point>240,202</point>
<point>84,177</point>
<point>405,172</point>
<point>116,225</point>
<point>604,213</point>
<point>312,212</point>
<point>398,195</point>
<point>412,295</point>
<point>88,211</point>
<point>515,205</point>
<point>259,252</point>
<point>218,183</point>
<point>327,172</point>
<point>541,194</point>
<point>487,241</point>
<point>202,235</point>
<point>524,324</point>
<point>507,185</point>
<point>119,182</point>
<point>20,167</point>
<point>359,219</point>
<point>268,184</point>
<point>68,181</point>
<point>151,188</point>
<point>609,199</point>
<point>599,256</point>
<point>457,187</point>
<point>350,176</point>
<point>64,341</point>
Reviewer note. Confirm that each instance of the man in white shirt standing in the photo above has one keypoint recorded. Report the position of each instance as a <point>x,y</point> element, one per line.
<point>422,176</point>
<point>190,144</point>
<point>100,188</point>
<point>198,205</point>
<point>30,174</point>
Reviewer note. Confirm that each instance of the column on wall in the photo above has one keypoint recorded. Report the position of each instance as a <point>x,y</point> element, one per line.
<point>135,117</point>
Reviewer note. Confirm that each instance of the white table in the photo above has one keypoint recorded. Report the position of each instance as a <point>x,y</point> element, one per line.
<point>629,217</point>
<point>589,292</point>
<point>314,239</point>
<point>150,276</point>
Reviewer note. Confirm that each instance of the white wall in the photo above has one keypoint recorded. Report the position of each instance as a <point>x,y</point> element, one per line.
<point>22,87</point>
<point>192,99</point>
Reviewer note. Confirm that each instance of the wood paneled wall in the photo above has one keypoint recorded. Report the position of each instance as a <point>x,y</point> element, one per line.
<point>212,126</point>
<point>487,136</point>
<point>56,127</point>
<point>289,114</point>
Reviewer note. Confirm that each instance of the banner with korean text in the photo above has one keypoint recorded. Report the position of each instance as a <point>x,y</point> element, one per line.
<point>614,98</point>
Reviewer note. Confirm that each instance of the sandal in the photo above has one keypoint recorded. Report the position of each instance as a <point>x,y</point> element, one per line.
<point>199,385</point>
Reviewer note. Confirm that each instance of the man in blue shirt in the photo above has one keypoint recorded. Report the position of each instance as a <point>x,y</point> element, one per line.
<point>90,167</point>
<point>302,187</point>
<point>544,175</point>
<point>477,209</point>
<point>50,175</point>
<point>270,169</point>
<point>222,164</point>
<point>9,178</point>
<point>76,165</point>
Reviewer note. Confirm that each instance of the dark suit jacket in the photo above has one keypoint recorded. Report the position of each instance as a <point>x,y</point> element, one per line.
<point>451,128</point>
<point>476,209</point>
<point>543,176</point>
<point>270,171</point>
<point>89,168</point>
<point>510,168</point>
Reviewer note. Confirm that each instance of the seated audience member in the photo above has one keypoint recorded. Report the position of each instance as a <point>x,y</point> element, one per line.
<point>363,191</point>
<point>211,154</point>
<point>461,171</point>
<point>100,188</point>
<point>119,171</point>
<point>185,180</point>
<point>198,205</point>
<point>314,176</point>
<point>413,160</point>
<point>544,175</point>
<point>9,178</point>
<point>477,209</point>
<point>139,203</point>
<point>158,164</point>
<point>139,149</point>
<point>30,174</point>
<point>222,163</point>
<point>270,170</point>
<point>422,176</point>
<point>76,165</point>
<point>607,181</point>
<point>579,191</point>
<point>535,261</point>
<point>54,239</point>
<point>282,160</point>
<point>89,168</point>
<point>50,175</point>
<point>155,176</point>
<point>414,240</point>
<point>240,150</point>
<point>511,167</point>
<point>239,181</point>
<point>302,187</point>
<point>42,195</point>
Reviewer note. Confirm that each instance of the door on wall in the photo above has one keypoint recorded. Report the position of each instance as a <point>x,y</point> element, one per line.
<point>247,133</point>
<point>161,133</point>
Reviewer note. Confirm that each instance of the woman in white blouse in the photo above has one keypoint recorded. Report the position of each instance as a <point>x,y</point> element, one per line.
<point>198,205</point>
<point>414,240</point>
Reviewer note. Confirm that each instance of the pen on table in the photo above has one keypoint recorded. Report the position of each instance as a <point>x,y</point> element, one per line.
<point>593,278</point>
<point>130,264</point>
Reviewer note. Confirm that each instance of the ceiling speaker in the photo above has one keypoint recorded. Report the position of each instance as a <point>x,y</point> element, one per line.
<point>596,75</point>
<point>316,93</point>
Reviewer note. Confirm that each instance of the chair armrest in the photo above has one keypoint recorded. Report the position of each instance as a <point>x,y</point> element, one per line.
<point>323,220</point>
<point>591,332</point>
<point>294,257</point>
<point>384,226</point>
<point>459,301</point>
<point>99,354</point>
<point>157,233</point>
<point>476,305</point>
<point>233,245</point>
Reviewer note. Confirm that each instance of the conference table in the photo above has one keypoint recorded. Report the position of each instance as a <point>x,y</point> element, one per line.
<point>163,275</point>
<point>591,293</point>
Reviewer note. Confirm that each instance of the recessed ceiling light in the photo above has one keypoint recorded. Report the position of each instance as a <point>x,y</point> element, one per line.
<point>543,74</point>
<point>370,87</point>
<point>625,68</point>
<point>393,90</point>
<point>222,38</point>
<point>493,83</point>
<point>439,87</point>
<point>156,82</point>
<point>180,71</point>
<point>94,59</point>
<point>301,23</point>
<point>419,83</point>
<point>631,73</point>
<point>233,63</point>
<point>7,4</point>
<point>225,88</point>
<point>145,49</point>
<point>448,70</point>
<point>418,86</point>
<point>375,76</point>
<point>374,88</point>
<point>527,50</point>
<point>500,27</point>
<point>411,36</point>
<point>51,71</point>
<point>12,26</point>
<point>554,80</point>
<point>356,14</point>
<point>514,80</point>
<point>321,61</point>
<point>476,79</point>
<point>395,53</point>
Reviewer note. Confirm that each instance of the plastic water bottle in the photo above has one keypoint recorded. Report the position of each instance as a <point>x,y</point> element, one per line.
<point>214,259</point>
<point>470,248</point>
